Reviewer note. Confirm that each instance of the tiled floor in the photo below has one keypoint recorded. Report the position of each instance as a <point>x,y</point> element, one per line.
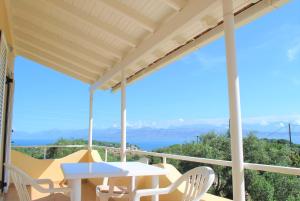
<point>88,194</point>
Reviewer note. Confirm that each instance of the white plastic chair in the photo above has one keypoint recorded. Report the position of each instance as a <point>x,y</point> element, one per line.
<point>106,191</point>
<point>197,182</point>
<point>22,180</point>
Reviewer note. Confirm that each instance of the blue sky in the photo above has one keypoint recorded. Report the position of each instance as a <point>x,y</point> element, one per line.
<point>192,90</point>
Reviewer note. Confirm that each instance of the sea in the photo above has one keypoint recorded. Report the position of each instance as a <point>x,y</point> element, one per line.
<point>148,145</point>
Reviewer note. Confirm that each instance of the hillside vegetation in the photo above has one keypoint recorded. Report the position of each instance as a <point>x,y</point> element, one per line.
<point>260,186</point>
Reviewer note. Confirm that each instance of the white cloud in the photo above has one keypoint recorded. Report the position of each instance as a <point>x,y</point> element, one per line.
<point>267,120</point>
<point>181,120</point>
<point>293,52</point>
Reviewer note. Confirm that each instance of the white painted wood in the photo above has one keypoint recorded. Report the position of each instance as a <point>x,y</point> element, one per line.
<point>39,51</point>
<point>90,142</point>
<point>52,37</point>
<point>69,30</point>
<point>183,158</point>
<point>105,154</point>
<point>123,118</point>
<point>273,168</point>
<point>109,169</point>
<point>96,23</point>
<point>131,14</point>
<point>155,185</point>
<point>193,10</point>
<point>75,185</point>
<point>196,181</point>
<point>58,67</point>
<point>259,9</point>
<point>58,52</point>
<point>250,166</point>
<point>234,104</point>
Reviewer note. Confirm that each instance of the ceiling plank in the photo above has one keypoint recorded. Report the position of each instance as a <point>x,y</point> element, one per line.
<point>55,39</point>
<point>51,64</point>
<point>195,9</point>
<point>241,18</point>
<point>51,49</point>
<point>55,59</point>
<point>175,4</point>
<point>93,21</point>
<point>79,35</point>
<point>131,14</point>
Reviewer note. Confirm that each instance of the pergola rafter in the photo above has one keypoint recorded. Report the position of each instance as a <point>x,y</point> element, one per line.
<point>58,67</point>
<point>70,31</point>
<point>61,61</point>
<point>53,50</point>
<point>54,38</point>
<point>193,10</point>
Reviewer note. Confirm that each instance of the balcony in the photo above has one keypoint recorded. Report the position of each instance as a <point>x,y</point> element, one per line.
<point>50,168</point>
<point>109,44</point>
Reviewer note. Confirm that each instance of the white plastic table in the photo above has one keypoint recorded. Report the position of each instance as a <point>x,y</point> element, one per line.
<point>74,172</point>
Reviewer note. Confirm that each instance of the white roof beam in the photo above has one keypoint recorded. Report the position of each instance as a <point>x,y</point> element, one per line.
<point>69,30</point>
<point>131,14</point>
<point>55,59</point>
<point>242,18</point>
<point>195,9</point>
<point>55,66</point>
<point>51,49</point>
<point>54,38</point>
<point>175,4</point>
<point>93,21</point>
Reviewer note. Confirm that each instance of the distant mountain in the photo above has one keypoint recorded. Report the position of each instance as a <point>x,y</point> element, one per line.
<point>150,138</point>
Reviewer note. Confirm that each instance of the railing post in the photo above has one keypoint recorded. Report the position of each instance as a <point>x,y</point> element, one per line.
<point>45,152</point>
<point>123,117</point>
<point>164,160</point>
<point>105,156</point>
<point>234,104</point>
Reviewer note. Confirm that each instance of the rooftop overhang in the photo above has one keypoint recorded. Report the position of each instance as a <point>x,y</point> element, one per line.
<point>94,41</point>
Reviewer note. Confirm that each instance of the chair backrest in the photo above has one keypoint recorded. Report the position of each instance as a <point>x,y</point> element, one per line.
<point>196,183</point>
<point>21,180</point>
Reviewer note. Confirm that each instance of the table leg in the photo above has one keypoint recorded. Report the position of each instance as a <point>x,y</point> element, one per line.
<point>132,187</point>
<point>75,185</point>
<point>155,184</point>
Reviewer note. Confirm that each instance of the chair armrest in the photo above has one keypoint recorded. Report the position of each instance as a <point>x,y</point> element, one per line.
<point>45,181</point>
<point>149,192</point>
<point>51,188</point>
<point>60,190</point>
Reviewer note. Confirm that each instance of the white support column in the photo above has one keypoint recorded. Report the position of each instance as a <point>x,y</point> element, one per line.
<point>123,117</point>
<point>90,140</point>
<point>234,105</point>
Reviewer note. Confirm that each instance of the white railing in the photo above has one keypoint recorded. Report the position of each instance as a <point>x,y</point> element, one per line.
<point>164,157</point>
